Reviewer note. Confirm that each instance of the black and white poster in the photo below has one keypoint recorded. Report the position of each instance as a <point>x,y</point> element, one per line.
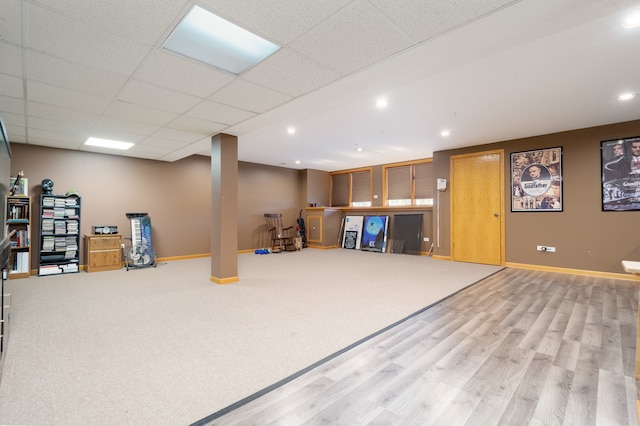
<point>620,161</point>
<point>352,232</point>
<point>536,180</point>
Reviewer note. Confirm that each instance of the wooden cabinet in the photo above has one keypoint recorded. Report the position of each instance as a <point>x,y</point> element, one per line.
<point>103,252</point>
<point>323,226</point>
<point>18,221</point>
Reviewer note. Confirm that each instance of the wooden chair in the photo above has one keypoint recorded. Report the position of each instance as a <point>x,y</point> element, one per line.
<point>281,237</point>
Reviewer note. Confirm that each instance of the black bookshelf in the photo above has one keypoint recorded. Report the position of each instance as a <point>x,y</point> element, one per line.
<point>59,234</point>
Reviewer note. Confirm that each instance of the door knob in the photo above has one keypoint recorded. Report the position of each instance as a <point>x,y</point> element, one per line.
<point>496,214</point>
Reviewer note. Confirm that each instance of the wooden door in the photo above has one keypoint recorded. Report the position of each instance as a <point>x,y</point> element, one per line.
<point>477,207</point>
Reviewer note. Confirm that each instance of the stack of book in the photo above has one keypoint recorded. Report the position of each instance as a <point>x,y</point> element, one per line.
<point>72,227</point>
<point>48,243</point>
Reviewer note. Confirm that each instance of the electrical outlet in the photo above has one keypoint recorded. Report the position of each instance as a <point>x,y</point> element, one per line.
<point>426,239</point>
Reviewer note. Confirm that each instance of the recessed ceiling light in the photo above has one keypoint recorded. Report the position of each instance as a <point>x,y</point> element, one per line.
<point>107,143</point>
<point>291,130</point>
<point>381,103</point>
<point>445,133</point>
<point>359,149</point>
<point>632,21</point>
<point>627,96</point>
<point>297,161</point>
<point>205,37</point>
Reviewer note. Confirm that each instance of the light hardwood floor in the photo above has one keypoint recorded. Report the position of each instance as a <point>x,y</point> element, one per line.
<point>521,347</point>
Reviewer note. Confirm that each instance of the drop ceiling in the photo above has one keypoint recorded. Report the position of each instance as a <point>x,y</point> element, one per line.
<point>486,70</point>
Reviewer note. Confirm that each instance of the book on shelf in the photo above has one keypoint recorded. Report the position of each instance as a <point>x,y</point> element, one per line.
<point>20,239</point>
<point>49,270</point>
<point>17,209</point>
<point>20,263</point>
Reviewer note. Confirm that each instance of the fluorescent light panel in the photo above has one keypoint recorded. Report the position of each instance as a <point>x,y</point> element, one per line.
<point>208,38</point>
<point>107,143</point>
<point>632,21</point>
<point>627,96</point>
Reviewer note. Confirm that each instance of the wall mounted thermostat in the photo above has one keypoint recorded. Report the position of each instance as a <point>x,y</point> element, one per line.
<point>441,184</point>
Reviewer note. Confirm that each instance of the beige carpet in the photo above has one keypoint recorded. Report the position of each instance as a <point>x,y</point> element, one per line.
<point>165,346</point>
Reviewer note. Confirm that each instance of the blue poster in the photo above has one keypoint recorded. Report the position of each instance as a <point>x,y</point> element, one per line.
<point>374,233</point>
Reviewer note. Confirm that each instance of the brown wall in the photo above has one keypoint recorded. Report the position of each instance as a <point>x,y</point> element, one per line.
<point>585,237</point>
<point>176,195</point>
<point>318,184</point>
<point>265,189</point>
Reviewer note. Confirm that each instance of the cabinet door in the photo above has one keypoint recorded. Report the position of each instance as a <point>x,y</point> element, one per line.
<point>314,229</point>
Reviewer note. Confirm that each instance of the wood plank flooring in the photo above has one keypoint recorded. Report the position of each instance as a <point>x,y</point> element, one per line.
<point>522,347</point>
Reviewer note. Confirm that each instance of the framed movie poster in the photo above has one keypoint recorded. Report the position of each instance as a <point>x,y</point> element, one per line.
<point>536,180</point>
<point>374,233</point>
<point>352,232</point>
<point>620,166</point>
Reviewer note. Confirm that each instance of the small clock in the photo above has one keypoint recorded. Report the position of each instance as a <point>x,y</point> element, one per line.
<point>47,186</point>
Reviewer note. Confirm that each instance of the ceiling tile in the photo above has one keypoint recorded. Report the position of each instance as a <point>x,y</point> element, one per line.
<point>57,72</point>
<point>422,20</point>
<point>356,37</point>
<point>61,114</point>
<point>177,135</point>
<point>46,94</point>
<point>46,140</point>
<point>119,129</point>
<point>16,134</point>
<point>139,93</point>
<point>11,19</point>
<point>15,105</point>
<point>58,126</point>
<point>81,43</point>
<point>281,24</point>
<point>145,21</point>
<point>207,110</point>
<point>161,145</point>
<point>202,146</point>
<point>127,110</point>
<point>103,150</point>
<point>290,72</point>
<point>151,151</point>
<point>13,120</point>
<point>75,139</point>
<point>11,62</point>
<point>11,86</point>
<point>249,96</point>
<point>193,124</point>
<point>174,72</point>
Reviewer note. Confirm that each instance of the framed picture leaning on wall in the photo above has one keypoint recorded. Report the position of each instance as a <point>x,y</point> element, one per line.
<point>620,167</point>
<point>22,188</point>
<point>536,180</point>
